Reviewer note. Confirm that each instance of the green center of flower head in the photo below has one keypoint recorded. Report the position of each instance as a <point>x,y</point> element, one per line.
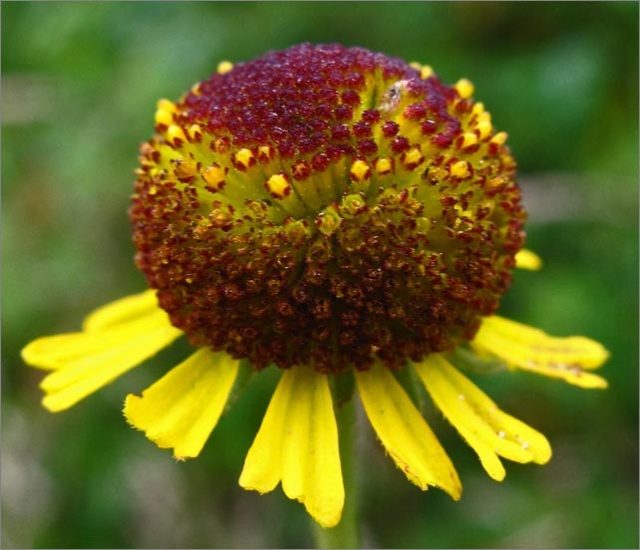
<point>327,206</point>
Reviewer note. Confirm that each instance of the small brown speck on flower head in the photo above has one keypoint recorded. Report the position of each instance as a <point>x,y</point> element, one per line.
<point>326,205</point>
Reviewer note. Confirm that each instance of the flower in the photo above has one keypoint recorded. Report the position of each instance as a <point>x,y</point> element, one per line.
<point>341,215</point>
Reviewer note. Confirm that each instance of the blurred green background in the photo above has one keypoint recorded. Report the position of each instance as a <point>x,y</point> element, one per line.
<point>79,86</point>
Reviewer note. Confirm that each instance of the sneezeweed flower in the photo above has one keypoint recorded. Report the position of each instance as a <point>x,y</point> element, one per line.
<point>340,215</point>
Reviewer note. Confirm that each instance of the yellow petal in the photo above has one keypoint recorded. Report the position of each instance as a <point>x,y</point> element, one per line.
<point>525,259</point>
<point>298,444</point>
<point>121,311</point>
<point>404,433</point>
<point>181,409</point>
<point>58,351</point>
<point>83,362</point>
<point>488,430</point>
<point>528,348</point>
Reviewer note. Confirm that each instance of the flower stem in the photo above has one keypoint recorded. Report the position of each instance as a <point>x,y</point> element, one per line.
<point>345,534</point>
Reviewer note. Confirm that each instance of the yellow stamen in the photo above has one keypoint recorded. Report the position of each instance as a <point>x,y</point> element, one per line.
<point>265,153</point>
<point>412,158</point>
<point>278,186</point>
<point>167,105</point>
<point>163,117</point>
<point>484,129</point>
<point>174,133</point>
<point>425,70</point>
<point>468,139</point>
<point>464,87</point>
<point>244,157</point>
<point>460,169</point>
<point>360,170</point>
<point>224,67</point>
<point>384,166</point>
<point>214,175</point>
<point>499,138</point>
<point>195,131</point>
<point>478,108</point>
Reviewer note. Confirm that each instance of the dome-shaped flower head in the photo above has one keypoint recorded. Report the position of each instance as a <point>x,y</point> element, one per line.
<point>342,216</point>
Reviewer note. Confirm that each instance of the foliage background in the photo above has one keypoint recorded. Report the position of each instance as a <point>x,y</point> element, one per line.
<point>79,86</point>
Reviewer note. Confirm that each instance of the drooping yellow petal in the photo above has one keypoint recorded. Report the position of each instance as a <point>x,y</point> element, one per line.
<point>58,351</point>
<point>180,410</point>
<point>298,444</point>
<point>528,348</point>
<point>404,432</point>
<point>121,311</point>
<point>526,259</point>
<point>83,362</point>
<point>488,430</point>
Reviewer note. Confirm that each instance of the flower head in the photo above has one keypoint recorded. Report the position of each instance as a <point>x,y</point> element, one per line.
<point>338,214</point>
<point>329,207</point>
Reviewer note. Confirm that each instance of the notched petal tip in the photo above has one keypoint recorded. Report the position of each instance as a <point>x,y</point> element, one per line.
<point>297,444</point>
<point>53,352</point>
<point>489,431</point>
<point>116,338</point>
<point>84,362</point>
<point>180,410</point>
<point>404,432</point>
<point>54,404</point>
<point>527,348</point>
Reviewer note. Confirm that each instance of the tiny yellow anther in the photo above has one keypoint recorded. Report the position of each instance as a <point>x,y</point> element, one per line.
<point>214,175</point>
<point>265,154</point>
<point>477,109</point>
<point>360,170</point>
<point>460,169</point>
<point>425,70</point>
<point>278,186</point>
<point>484,116</point>
<point>163,117</point>
<point>484,128</point>
<point>175,132</point>
<point>464,87</point>
<point>224,67</point>
<point>165,112</point>
<point>384,166</point>
<point>412,158</point>
<point>244,157</point>
<point>166,105</point>
<point>195,131</point>
<point>468,139</point>
<point>499,138</point>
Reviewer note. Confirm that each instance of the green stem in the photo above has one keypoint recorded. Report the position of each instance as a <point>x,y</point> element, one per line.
<point>345,534</point>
